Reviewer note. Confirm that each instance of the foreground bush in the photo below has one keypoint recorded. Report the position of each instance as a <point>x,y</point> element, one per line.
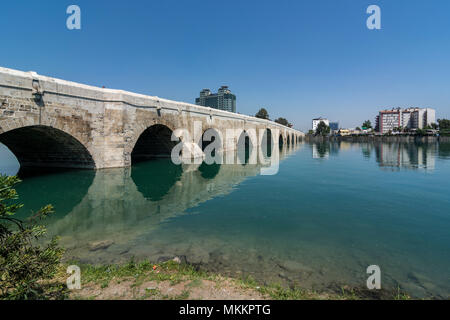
<point>24,264</point>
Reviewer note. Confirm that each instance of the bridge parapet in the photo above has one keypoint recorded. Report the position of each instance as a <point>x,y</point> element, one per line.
<point>107,123</point>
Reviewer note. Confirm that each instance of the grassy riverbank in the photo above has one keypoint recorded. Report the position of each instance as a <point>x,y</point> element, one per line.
<point>172,280</point>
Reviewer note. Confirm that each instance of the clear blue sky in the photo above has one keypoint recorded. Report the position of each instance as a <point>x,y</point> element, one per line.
<point>299,59</point>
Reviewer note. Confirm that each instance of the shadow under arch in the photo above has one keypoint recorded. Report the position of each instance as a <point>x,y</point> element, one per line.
<point>44,146</point>
<point>267,143</point>
<point>213,135</point>
<point>244,147</point>
<point>154,179</point>
<point>288,141</point>
<point>280,141</point>
<point>154,142</point>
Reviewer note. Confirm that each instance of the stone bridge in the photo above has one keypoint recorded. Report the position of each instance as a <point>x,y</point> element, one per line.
<point>48,122</point>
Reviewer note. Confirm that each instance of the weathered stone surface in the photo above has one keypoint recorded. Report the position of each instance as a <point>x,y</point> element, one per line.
<point>94,127</point>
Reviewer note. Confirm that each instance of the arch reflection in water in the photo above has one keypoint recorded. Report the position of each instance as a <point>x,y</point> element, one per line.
<point>124,205</point>
<point>155,178</point>
<point>50,186</point>
<point>209,171</point>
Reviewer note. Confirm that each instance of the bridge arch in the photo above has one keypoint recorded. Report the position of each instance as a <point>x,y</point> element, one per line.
<point>45,146</point>
<point>267,142</point>
<point>154,141</point>
<point>251,133</point>
<point>280,141</point>
<point>245,146</point>
<point>213,134</point>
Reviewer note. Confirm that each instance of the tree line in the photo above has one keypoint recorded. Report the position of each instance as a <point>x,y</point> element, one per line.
<point>263,114</point>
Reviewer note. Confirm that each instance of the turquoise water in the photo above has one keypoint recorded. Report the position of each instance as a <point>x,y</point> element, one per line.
<point>330,212</point>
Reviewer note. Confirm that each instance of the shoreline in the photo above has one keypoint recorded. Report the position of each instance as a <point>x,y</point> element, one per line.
<point>173,280</point>
<point>372,138</point>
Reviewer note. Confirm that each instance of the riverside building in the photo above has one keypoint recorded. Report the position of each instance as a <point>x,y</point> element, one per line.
<point>315,123</point>
<point>410,118</point>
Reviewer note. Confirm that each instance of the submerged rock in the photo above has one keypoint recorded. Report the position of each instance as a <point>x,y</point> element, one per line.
<point>163,259</point>
<point>100,245</point>
<point>124,251</point>
<point>177,260</point>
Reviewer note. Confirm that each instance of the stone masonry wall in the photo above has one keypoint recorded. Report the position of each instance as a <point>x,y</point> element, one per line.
<point>106,122</point>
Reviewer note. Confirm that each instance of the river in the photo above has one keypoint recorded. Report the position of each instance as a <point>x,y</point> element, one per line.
<point>332,210</point>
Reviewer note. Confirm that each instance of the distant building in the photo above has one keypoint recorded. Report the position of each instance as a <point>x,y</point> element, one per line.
<point>377,123</point>
<point>334,126</point>
<point>316,122</point>
<point>344,132</point>
<point>411,118</point>
<point>222,100</point>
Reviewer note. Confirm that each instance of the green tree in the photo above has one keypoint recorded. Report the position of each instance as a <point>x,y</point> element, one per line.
<point>444,124</point>
<point>367,124</point>
<point>322,129</point>
<point>262,114</point>
<point>421,132</point>
<point>284,122</point>
<point>23,263</point>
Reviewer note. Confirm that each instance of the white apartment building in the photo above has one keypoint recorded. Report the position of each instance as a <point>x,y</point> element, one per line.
<point>316,122</point>
<point>411,118</point>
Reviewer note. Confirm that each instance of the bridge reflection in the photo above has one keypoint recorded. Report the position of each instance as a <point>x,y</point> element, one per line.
<point>121,205</point>
<point>155,178</point>
<point>63,189</point>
